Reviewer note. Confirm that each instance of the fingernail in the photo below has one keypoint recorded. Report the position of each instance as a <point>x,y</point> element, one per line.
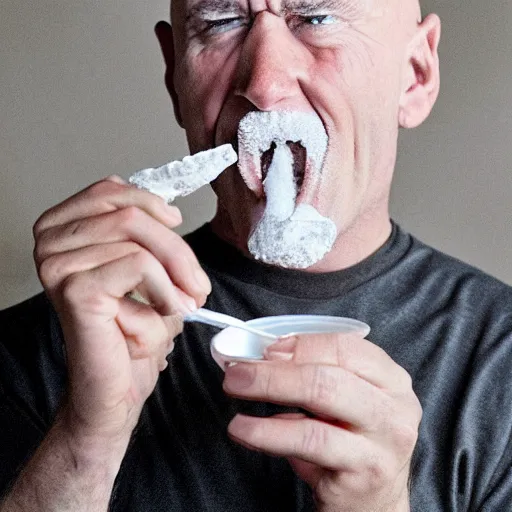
<point>189,304</point>
<point>239,377</point>
<point>202,280</point>
<point>285,344</point>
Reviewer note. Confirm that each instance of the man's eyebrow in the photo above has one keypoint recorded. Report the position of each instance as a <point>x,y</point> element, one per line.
<point>205,7</point>
<point>309,6</point>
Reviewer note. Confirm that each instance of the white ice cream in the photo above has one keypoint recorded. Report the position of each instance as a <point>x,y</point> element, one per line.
<point>258,130</point>
<point>290,235</point>
<point>180,178</point>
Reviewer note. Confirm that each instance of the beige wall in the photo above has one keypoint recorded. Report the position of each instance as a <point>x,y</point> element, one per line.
<point>82,97</point>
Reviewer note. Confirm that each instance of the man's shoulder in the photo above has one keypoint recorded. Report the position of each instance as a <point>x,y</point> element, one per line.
<point>453,269</point>
<point>448,283</point>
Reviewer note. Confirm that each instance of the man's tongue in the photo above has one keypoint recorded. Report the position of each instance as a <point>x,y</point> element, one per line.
<point>288,234</point>
<point>279,184</point>
<point>299,156</point>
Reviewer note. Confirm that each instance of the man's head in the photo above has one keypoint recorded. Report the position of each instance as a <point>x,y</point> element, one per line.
<point>364,67</point>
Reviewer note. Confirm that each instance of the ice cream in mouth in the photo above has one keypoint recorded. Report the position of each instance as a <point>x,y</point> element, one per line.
<point>299,161</point>
<point>259,133</point>
<point>281,156</point>
<point>280,159</point>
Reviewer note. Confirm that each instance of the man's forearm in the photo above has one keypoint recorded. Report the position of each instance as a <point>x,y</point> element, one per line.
<point>67,474</point>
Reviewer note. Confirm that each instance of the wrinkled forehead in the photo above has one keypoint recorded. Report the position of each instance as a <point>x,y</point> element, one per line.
<point>399,14</point>
<point>188,7</point>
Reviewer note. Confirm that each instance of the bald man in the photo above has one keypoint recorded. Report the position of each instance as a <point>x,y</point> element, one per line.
<point>95,412</point>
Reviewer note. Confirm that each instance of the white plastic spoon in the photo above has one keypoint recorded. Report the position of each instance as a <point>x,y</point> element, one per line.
<point>206,316</point>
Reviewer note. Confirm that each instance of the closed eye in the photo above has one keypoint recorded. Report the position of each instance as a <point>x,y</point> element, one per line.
<point>223,25</point>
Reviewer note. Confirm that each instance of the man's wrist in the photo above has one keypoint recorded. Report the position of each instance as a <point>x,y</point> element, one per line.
<point>69,471</point>
<point>89,449</point>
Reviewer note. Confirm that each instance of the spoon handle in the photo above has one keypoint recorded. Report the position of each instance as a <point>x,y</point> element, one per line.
<point>206,316</point>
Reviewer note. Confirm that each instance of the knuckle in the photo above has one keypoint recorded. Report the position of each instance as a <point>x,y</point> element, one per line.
<point>406,379</point>
<point>341,353</point>
<point>39,225</point>
<point>335,489</point>
<point>378,473</point>
<point>101,188</point>
<point>129,215</point>
<point>72,288</point>
<point>156,338</point>
<point>408,412</point>
<point>414,407</point>
<point>373,473</point>
<point>324,385</point>
<point>39,254</point>
<point>79,289</point>
<point>382,414</point>
<point>44,246</point>
<point>142,260</point>
<point>406,437</point>
<point>315,438</point>
<point>72,229</point>
<point>50,271</point>
<point>268,382</point>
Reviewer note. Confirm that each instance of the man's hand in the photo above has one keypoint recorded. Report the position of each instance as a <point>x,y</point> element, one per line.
<point>90,252</point>
<point>355,447</point>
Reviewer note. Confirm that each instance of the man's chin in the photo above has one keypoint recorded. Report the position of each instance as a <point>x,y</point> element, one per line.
<point>296,243</point>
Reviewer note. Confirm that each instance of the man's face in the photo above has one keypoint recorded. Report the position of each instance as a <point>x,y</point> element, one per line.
<point>344,60</point>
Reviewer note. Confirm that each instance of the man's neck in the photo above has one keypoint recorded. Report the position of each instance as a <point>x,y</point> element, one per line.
<point>355,243</point>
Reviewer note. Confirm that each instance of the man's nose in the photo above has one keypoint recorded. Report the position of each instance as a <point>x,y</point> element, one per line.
<point>270,64</point>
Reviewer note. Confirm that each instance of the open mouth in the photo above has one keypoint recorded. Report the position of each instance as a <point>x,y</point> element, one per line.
<point>299,161</point>
<point>260,133</point>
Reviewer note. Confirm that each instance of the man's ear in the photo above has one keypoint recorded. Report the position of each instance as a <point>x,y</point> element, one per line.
<point>421,85</point>
<point>164,34</point>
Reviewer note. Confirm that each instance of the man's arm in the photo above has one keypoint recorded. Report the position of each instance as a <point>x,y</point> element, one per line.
<point>91,251</point>
<point>67,473</point>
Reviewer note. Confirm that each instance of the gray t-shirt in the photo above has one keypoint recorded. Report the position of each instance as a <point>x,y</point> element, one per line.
<point>448,324</point>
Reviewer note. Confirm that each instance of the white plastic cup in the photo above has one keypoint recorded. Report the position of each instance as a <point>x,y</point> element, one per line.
<point>236,345</point>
